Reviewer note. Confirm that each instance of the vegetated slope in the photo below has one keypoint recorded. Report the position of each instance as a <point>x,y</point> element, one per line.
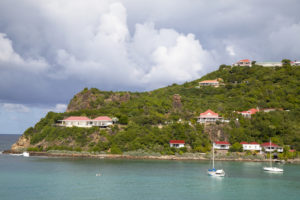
<point>149,119</point>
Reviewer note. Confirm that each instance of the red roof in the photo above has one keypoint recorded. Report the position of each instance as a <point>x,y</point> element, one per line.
<point>177,142</point>
<point>267,144</point>
<point>222,142</point>
<point>209,113</point>
<point>103,118</point>
<point>77,118</point>
<point>244,143</point>
<point>245,60</point>
<point>251,111</point>
<point>209,81</point>
<point>292,150</point>
<point>253,143</point>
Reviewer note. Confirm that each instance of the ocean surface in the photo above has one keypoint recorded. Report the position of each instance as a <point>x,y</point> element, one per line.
<point>45,178</point>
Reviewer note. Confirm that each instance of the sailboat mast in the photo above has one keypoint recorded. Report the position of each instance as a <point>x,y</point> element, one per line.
<point>270,155</point>
<point>213,156</point>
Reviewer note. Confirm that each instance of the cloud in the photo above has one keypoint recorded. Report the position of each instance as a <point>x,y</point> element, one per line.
<point>59,108</point>
<point>230,50</point>
<point>9,58</point>
<point>10,107</point>
<point>53,49</point>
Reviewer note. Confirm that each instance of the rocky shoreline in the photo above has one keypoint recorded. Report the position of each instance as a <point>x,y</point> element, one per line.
<point>139,157</point>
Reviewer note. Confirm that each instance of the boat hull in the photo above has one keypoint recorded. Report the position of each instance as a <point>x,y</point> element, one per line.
<point>217,173</point>
<point>273,169</point>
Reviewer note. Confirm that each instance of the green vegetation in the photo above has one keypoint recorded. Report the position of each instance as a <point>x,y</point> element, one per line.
<point>148,120</point>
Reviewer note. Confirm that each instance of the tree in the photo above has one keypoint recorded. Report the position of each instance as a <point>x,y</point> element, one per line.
<point>236,147</point>
<point>286,62</point>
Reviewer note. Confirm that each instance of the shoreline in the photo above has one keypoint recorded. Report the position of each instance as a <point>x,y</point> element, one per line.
<point>136,157</point>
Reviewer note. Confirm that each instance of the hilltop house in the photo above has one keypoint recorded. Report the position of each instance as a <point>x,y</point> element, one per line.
<point>269,64</point>
<point>248,113</point>
<point>267,147</point>
<point>243,63</point>
<point>78,121</point>
<point>221,145</point>
<point>214,83</point>
<point>208,117</point>
<point>85,122</point>
<point>102,121</point>
<point>177,143</point>
<point>253,146</point>
<point>295,63</point>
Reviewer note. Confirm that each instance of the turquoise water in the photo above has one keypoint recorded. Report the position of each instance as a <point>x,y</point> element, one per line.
<point>65,178</point>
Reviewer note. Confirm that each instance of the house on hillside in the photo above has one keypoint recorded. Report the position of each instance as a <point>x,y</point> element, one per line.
<point>243,63</point>
<point>78,121</point>
<point>214,83</point>
<point>252,146</point>
<point>295,63</point>
<point>248,113</point>
<point>269,64</point>
<point>102,121</point>
<point>177,143</point>
<point>267,147</point>
<point>85,122</point>
<point>209,117</point>
<point>221,145</point>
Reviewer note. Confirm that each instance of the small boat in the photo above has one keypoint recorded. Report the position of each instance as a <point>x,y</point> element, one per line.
<point>26,154</point>
<point>213,171</point>
<point>272,169</point>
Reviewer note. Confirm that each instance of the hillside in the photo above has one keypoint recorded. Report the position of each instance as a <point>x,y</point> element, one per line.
<point>148,120</point>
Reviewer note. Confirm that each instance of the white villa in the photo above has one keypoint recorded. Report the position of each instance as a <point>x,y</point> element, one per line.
<point>295,63</point>
<point>85,122</point>
<point>253,146</point>
<point>243,63</point>
<point>267,147</point>
<point>102,121</point>
<point>177,143</point>
<point>269,64</point>
<point>214,83</point>
<point>208,117</point>
<point>77,121</point>
<point>221,145</point>
<point>248,113</point>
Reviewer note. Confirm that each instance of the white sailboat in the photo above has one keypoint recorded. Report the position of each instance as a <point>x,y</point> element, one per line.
<point>270,168</point>
<point>25,154</point>
<point>213,171</point>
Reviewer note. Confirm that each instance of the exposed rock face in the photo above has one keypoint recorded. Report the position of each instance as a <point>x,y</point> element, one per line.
<point>81,101</point>
<point>216,132</point>
<point>87,99</point>
<point>118,98</point>
<point>22,144</point>
<point>177,101</point>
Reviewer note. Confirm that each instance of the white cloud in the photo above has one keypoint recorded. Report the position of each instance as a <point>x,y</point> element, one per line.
<point>53,49</point>
<point>9,58</point>
<point>148,57</point>
<point>60,108</point>
<point>230,50</point>
<point>10,107</point>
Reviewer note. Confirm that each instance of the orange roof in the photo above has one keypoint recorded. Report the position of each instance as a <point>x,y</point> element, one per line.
<point>103,118</point>
<point>245,60</point>
<point>209,113</point>
<point>251,111</point>
<point>77,118</point>
<point>210,81</point>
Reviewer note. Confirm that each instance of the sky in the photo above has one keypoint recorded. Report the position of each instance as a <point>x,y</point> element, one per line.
<point>52,49</point>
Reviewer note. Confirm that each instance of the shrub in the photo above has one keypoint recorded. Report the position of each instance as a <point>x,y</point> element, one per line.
<point>115,150</point>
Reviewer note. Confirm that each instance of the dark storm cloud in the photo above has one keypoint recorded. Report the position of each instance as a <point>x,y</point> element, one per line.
<point>50,50</point>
